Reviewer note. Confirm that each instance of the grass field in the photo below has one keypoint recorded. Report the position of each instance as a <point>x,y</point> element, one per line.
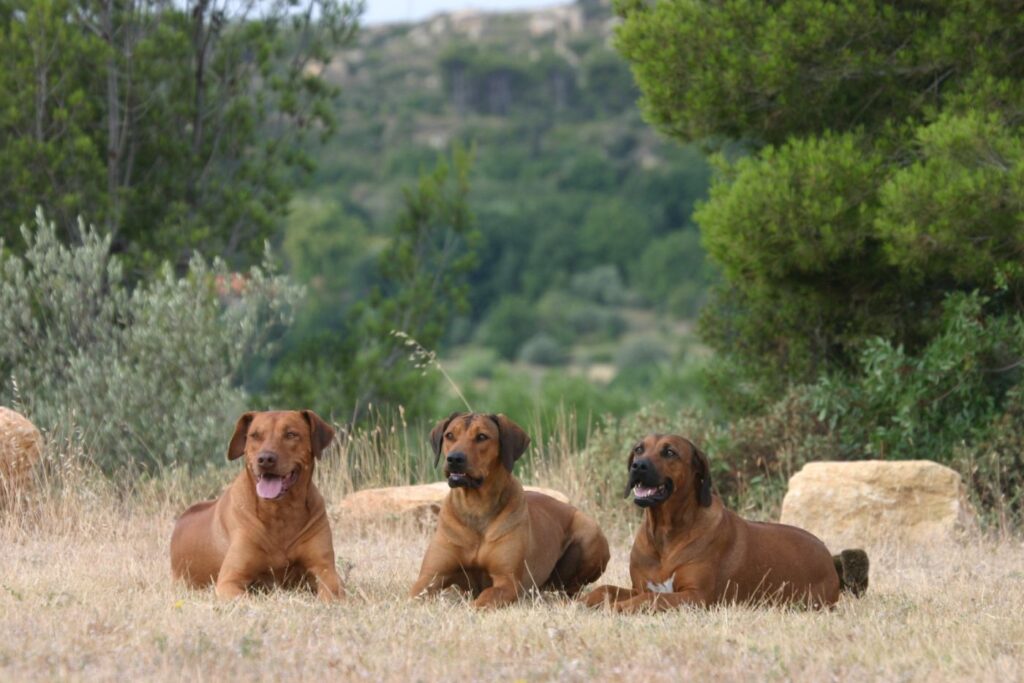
<point>85,594</point>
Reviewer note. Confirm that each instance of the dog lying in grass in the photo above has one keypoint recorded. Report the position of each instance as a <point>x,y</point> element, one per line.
<point>691,550</point>
<point>270,526</point>
<point>493,539</point>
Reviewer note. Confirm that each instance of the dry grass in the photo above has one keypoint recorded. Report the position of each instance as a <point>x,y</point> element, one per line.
<point>85,594</point>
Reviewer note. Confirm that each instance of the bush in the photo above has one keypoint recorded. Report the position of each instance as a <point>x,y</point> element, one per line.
<point>994,465</point>
<point>955,402</point>
<point>595,322</point>
<point>543,349</point>
<point>567,317</point>
<point>475,363</point>
<point>601,284</point>
<point>509,324</point>
<point>151,377</point>
<point>671,273</point>
<point>640,352</point>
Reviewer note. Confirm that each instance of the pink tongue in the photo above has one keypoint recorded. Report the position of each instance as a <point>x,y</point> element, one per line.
<point>269,486</point>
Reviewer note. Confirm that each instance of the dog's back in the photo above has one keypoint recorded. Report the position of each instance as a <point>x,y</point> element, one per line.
<point>584,551</point>
<point>195,555</point>
<point>783,562</point>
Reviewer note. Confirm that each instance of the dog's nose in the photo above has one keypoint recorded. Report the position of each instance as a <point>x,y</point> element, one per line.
<point>640,466</point>
<point>266,459</point>
<point>456,460</point>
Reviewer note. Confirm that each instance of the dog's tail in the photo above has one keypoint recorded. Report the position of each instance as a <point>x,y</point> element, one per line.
<point>852,567</point>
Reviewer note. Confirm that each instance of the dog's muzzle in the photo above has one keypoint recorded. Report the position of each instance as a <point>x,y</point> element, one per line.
<point>463,480</point>
<point>647,485</point>
<point>456,465</point>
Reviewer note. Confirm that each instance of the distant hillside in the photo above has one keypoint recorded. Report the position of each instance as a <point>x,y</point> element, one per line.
<point>583,208</point>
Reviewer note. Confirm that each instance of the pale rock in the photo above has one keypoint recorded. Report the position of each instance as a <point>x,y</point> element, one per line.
<point>870,502</point>
<point>21,446</point>
<point>420,503</point>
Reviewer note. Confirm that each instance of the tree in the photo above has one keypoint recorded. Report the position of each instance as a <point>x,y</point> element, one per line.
<point>143,377</point>
<point>883,169</point>
<point>419,287</point>
<point>177,126</point>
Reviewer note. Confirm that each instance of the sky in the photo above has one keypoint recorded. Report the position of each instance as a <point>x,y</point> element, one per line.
<point>381,11</point>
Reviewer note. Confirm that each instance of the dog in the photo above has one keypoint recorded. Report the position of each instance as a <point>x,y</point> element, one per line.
<point>691,550</point>
<point>269,527</point>
<point>493,539</point>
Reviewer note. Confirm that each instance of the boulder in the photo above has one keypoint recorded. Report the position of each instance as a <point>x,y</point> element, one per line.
<point>864,503</point>
<point>420,503</point>
<point>21,446</point>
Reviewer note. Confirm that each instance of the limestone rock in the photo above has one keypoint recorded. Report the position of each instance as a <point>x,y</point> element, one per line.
<point>420,503</point>
<point>864,503</point>
<point>20,449</point>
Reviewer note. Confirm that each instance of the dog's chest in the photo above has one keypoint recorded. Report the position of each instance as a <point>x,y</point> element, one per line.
<point>651,575</point>
<point>666,586</point>
<point>280,571</point>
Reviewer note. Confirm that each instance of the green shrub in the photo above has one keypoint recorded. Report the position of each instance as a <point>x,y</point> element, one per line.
<point>641,352</point>
<point>152,376</point>
<point>595,322</point>
<point>476,363</point>
<point>955,402</point>
<point>601,284</point>
<point>569,317</point>
<point>671,274</point>
<point>543,349</point>
<point>510,323</point>
<point>994,465</point>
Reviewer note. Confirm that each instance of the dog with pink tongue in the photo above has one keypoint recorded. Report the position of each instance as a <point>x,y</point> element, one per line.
<point>269,527</point>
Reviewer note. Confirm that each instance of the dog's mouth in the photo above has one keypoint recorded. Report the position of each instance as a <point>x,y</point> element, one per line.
<point>646,496</point>
<point>272,486</point>
<point>463,480</point>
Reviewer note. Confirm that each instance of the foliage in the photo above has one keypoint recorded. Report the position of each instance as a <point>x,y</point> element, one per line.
<point>771,71</point>
<point>419,286</point>
<point>177,126</point>
<point>150,377</point>
<point>568,185</point>
<point>958,393</point>
<point>883,171</point>
<point>601,284</point>
<point>543,349</point>
<point>640,352</point>
<point>672,275</point>
<point>511,322</point>
<point>868,227</point>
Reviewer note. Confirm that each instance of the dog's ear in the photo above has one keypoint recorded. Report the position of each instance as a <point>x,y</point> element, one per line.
<point>629,466</point>
<point>321,434</point>
<point>512,439</point>
<point>437,435</point>
<point>237,446</point>
<point>701,476</point>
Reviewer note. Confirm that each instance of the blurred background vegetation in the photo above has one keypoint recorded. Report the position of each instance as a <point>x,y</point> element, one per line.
<point>792,230</point>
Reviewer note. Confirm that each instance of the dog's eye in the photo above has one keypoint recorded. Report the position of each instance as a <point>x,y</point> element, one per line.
<point>256,436</point>
<point>669,453</point>
<point>449,436</point>
<point>482,437</point>
<point>639,449</point>
<point>291,435</point>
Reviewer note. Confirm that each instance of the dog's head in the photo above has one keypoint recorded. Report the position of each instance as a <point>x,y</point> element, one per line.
<point>476,446</point>
<point>279,448</point>
<point>661,466</point>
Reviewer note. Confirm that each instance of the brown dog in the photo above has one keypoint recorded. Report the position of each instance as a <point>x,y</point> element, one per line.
<point>691,550</point>
<point>493,538</point>
<point>269,526</point>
